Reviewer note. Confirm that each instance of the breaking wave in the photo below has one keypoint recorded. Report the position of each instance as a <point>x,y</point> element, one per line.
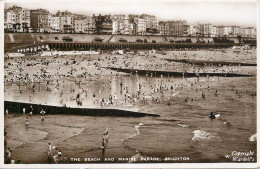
<point>137,156</point>
<point>137,132</point>
<point>200,135</point>
<point>253,137</point>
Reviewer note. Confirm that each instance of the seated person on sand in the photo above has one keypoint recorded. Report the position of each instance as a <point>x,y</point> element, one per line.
<point>57,158</point>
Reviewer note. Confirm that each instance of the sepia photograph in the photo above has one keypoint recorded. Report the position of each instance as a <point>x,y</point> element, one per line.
<point>130,82</point>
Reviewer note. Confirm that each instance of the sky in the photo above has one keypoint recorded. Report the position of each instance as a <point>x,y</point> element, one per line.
<point>229,12</point>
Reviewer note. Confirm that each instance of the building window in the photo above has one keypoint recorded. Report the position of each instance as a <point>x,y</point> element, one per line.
<point>56,38</point>
<point>40,37</point>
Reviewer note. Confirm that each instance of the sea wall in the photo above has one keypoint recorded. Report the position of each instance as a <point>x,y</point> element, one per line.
<point>57,41</point>
<point>88,38</point>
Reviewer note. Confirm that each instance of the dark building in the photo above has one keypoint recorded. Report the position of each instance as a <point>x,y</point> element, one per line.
<point>133,19</point>
<point>164,28</point>
<point>39,19</point>
<point>104,24</point>
<point>178,28</point>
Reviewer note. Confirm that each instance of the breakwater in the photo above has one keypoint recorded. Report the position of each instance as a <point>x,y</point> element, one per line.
<point>213,63</point>
<point>176,74</point>
<point>17,108</point>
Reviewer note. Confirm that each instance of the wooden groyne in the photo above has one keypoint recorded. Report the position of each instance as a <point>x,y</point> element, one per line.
<point>17,108</point>
<point>177,74</point>
<point>214,63</point>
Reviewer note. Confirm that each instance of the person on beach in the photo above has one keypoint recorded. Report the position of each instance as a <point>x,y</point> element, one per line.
<point>8,153</point>
<point>57,158</point>
<point>33,87</point>
<point>137,129</point>
<point>111,100</point>
<point>59,154</point>
<point>42,114</point>
<point>8,156</point>
<point>103,146</point>
<point>49,150</point>
<point>203,95</point>
<point>24,110</point>
<point>121,84</point>
<point>12,161</point>
<point>94,97</point>
<point>106,133</point>
<point>115,99</point>
<point>31,110</point>
<point>27,122</point>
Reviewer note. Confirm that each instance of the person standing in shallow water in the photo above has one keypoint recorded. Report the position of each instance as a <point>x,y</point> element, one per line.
<point>115,99</point>
<point>106,134</point>
<point>121,85</point>
<point>42,114</point>
<point>27,122</point>
<point>103,145</point>
<point>94,97</point>
<point>31,110</point>
<point>49,152</point>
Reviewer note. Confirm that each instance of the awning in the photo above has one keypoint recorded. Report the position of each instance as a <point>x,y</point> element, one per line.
<point>122,40</point>
<point>139,40</point>
<point>67,38</point>
<point>98,39</point>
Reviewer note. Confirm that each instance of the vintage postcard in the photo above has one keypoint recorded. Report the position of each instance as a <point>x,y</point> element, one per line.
<point>129,82</point>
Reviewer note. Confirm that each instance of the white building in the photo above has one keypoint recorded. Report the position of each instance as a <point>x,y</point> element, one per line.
<point>214,32</point>
<point>54,22</point>
<point>141,26</point>
<point>151,24</point>
<point>10,19</point>
<point>205,29</point>
<point>114,27</point>
<point>66,23</point>
<point>249,32</point>
<point>79,26</point>
<point>17,18</point>
<point>150,21</point>
<point>90,25</point>
<point>237,31</point>
<point>228,31</point>
<point>192,30</point>
<point>24,17</point>
<point>122,25</point>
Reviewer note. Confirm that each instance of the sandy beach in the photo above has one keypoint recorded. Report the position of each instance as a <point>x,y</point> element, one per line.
<point>183,129</point>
